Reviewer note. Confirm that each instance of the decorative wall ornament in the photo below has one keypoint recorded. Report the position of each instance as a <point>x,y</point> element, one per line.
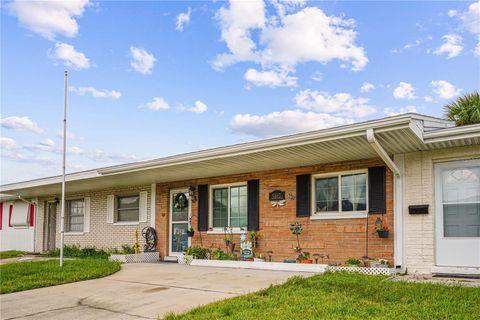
<point>150,239</point>
<point>180,201</point>
<point>277,198</point>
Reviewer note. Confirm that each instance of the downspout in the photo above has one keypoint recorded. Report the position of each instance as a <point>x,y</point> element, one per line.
<point>397,197</point>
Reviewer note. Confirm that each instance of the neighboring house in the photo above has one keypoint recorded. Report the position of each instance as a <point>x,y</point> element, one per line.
<point>418,175</point>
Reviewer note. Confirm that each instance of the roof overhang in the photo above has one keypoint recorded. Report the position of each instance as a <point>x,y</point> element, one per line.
<point>398,134</point>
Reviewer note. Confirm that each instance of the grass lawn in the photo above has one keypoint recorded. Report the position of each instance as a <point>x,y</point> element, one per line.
<point>19,276</point>
<point>346,296</point>
<point>10,254</point>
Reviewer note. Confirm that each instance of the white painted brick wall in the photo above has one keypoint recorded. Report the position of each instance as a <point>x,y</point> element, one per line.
<point>102,235</point>
<point>419,189</point>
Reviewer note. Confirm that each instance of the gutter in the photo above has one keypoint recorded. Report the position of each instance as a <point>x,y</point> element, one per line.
<point>381,152</point>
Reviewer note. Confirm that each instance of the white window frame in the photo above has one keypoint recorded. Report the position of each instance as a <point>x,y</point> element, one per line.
<point>217,230</point>
<point>115,211</point>
<point>325,215</point>
<point>67,216</point>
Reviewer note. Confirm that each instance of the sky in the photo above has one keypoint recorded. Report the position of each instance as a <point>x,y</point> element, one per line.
<point>157,78</point>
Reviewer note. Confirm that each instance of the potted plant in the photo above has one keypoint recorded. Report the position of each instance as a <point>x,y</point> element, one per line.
<point>304,257</point>
<point>254,236</point>
<point>259,257</point>
<point>190,232</point>
<point>382,231</point>
<point>353,262</point>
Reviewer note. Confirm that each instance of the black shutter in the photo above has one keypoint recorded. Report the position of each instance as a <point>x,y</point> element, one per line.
<point>253,189</point>
<point>203,207</point>
<point>377,199</point>
<point>303,195</point>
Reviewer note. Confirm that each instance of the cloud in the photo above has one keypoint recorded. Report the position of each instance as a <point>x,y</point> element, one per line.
<point>408,46</point>
<point>270,78</point>
<point>183,19</point>
<point>477,49</point>
<point>49,18</point>
<point>70,135</point>
<point>142,61</point>
<point>367,86</point>
<point>158,103</point>
<point>70,56</point>
<point>471,18</point>
<point>444,89</point>
<point>103,93</point>
<point>20,123</point>
<point>317,76</point>
<point>341,104</point>
<point>404,90</point>
<point>284,40</point>
<point>452,46</point>
<point>48,143</point>
<point>392,112</point>
<point>7,143</point>
<point>199,107</point>
<point>428,99</point>
<point>284,122</point>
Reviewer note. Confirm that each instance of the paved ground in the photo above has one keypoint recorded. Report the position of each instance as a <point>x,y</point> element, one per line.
<point>138,291</point>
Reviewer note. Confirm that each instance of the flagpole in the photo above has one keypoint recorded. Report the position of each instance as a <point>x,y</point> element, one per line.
<point>62,214</point>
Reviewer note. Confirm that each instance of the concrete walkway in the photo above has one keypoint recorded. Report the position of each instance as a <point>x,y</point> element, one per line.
<point>138,291</point>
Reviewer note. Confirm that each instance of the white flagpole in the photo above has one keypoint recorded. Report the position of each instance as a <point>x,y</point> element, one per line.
<point>62,214</point>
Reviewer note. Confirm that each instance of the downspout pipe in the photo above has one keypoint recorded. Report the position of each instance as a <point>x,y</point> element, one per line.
<point>381,152</point>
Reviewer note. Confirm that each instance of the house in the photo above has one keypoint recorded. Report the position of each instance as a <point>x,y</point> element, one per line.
<point>417,175</point>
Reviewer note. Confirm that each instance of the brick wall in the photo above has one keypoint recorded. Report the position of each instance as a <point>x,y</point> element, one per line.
<point>102,234</point>
<point>419,189</point>
<point>339,238</point>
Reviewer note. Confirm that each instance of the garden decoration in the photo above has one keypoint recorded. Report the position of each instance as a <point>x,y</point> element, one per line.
<point>228,239</point>
<point>381,228</point>
<point>316,256</point>
<point>296,229</point>
<point>190,231</point>
<point>191,193</point>
<point>150,236</point>
<point>180,201</point>
<point>136,245</point>
<point>259,258</point>
<point>246,250</point>
<point>269,253</point>
<point>277,198</point>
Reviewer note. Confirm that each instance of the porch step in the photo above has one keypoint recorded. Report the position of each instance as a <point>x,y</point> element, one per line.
<point>170,259</point>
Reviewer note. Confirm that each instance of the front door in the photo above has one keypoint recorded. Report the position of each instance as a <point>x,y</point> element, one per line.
<point>50,225</point>
<point>457,190</point>
<point>180,212</point>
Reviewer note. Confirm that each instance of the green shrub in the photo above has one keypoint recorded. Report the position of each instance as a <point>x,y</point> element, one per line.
<point>75,251</point>
<point>197,252</point>
<point>352,262</point>
<point>220,255</point>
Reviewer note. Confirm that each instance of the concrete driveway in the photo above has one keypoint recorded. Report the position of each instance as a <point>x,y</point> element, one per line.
<point>138,291</point>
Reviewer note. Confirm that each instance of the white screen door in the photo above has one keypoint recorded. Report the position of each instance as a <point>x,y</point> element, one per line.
<point>457,190</point>
<point>180,213</point>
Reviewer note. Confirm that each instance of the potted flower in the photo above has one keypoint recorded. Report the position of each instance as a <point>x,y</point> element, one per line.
<point>254,236</point>
<point>259,257</point>
<point>304,257</point>
<point>190,232</point>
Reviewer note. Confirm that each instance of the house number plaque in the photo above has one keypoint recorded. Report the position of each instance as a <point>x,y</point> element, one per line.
<point>277,198</point>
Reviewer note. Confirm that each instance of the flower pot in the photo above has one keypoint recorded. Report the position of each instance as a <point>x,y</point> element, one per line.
<point>306,261</point>
<point>289,261</point>
<point>258,260</point>
<point>190,233</point>
<point>382,234</point>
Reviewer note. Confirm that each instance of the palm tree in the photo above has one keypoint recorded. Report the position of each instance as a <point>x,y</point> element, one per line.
<point>465,110</point>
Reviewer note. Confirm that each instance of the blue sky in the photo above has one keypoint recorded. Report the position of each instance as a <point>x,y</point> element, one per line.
<point>150,79</point>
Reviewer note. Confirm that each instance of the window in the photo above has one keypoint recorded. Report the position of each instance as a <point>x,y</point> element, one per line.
<point>344,193</point>
<point>128,209</point>
<point>229,206</point>
<point>75,215</point>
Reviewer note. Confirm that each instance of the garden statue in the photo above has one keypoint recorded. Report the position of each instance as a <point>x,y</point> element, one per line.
<point>245,247</point>
<point>150,239</point>
<point>136,245</point>
<point>296,229</point>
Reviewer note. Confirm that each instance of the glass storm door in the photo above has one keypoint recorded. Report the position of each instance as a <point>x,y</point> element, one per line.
<point>179,217</point>
<point>457,190</point>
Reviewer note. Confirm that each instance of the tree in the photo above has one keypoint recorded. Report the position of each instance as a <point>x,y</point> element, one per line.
<point>465,110</point>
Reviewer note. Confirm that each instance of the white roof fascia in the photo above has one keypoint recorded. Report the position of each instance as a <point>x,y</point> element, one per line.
<point>454,133</point>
